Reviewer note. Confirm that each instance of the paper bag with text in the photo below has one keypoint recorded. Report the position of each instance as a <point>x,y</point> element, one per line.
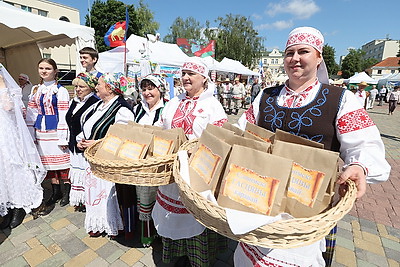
<point>164,143</point>
<point>135,145</point>
<point>259,132</point>
<point>314,169</point>
<point>253,183</point>
<point>207,163</point>
<point>181,135</point>
<point>111,142</point>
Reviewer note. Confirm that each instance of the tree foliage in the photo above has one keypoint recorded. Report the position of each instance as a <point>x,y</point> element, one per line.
<point>237,39</point>
<point>355,62</point>
<point>188,28</point>
<point>105,14</point>
<point>328,54</point>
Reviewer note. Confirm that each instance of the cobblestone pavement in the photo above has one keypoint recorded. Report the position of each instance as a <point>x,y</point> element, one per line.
<point>368,236</point>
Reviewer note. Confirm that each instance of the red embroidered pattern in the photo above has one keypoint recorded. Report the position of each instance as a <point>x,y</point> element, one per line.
<point>169,207</point>
<point>183,117</point>
<point>306,38</point>
<point>260,259</point>
<point>195,67</point>
<point>220,122</point>
<point>354,121</point>
<point>250,115</point>
<point>291,96</point>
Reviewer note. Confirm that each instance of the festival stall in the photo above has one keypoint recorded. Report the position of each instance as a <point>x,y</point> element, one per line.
<point>25,34</point>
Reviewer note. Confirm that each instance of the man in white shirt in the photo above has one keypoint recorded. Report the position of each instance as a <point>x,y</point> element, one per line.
<point>360,93</point>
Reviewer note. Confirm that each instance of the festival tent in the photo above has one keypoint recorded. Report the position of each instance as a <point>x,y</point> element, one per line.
<point>237,67</point>
<point>140,49</point>
<point>361,77</point>
<point>24,34</point>
<point>390,80</point>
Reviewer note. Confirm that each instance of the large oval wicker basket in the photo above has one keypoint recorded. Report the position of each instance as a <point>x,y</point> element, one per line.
<point>282,234</point>
<point>153,171</point>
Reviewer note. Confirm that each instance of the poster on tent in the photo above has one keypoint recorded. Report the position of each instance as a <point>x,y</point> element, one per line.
<point>173,72</point>
<point>198,48</point>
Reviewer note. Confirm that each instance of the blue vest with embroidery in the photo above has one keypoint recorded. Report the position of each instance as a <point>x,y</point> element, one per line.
<point>314,121</point>
<point>51,121</point>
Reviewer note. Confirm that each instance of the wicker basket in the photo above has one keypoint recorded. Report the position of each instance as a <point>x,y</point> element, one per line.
<point>282,234</point>
<point>146,172</point>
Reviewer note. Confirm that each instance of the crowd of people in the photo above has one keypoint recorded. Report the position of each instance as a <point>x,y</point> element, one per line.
<point>58,130</point>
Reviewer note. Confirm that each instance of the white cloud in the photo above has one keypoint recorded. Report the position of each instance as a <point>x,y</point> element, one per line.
<point>301,9</point>
<point>256,16</point>
<point>277,25</point>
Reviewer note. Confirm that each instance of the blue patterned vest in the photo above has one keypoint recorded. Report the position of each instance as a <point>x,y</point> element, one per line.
<point>314,121</point>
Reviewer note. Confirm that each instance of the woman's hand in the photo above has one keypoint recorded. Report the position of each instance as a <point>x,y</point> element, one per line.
<point>356,174</point>
<point>82,145</point>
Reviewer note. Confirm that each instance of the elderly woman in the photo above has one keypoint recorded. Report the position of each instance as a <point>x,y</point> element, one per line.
<point>192,110</point>
<point>148,112</point>
<point>46,115</point>
<point>82,103</point>
<point>334,117</point>
<point>102,211</point>
<point>20,166</point>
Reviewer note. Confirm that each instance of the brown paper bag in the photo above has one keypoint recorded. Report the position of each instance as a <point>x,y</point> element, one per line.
<point>164,143</point>
<point>291,138</point>
<point>257,144</point>
<point>219,132</point>
<point>233,128</point>
<point>111,142</point>
<point>135,145</point>
<point>253,183</point>
<point>181,135</point>
<point>259,132</point>
<point>314,170</point>
<point>207,163</point>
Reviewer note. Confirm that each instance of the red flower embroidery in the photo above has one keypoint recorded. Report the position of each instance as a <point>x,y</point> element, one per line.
<point>250,115</point>
<point>354,121</point>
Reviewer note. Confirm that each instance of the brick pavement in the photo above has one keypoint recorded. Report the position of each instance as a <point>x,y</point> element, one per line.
<point>368,236</point>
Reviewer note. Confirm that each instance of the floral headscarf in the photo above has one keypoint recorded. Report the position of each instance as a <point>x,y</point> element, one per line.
<point>88,78</point>
<point>157,80</point>
<point>119,84</point>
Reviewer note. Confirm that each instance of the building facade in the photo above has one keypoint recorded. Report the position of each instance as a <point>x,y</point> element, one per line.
<point>64,56</point>
<point>381,49</point>
<point>388,66</point>
<point>273,65</point>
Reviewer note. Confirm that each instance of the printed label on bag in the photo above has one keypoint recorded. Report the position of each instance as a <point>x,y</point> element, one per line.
<point>304,184</point>
<point>263,138</point>
<point>131,150</point>
<point>162,146</point>
<point>111,144</point>
<point>250,189</point>
<point>205,163</point>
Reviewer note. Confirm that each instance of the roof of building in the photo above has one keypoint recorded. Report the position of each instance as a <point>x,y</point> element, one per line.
<point>388,62</point>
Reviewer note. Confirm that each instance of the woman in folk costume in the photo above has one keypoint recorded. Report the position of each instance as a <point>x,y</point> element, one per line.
<point>80,105</point>
<point>26,87</point>
<point>148,112</point>
<point>306,105</point>
<point>49,105</point>
<point>182,235</point>
<point>21,169</point>
<point>102,211</point>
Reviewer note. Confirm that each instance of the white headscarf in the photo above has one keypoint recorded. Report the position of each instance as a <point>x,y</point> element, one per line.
<point>314,38</point>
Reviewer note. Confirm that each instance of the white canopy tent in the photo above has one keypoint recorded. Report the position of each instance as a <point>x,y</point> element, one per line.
<point>139,48</point>
<point>361,77</point>
<point>24,34</point>
<point>237,67</point>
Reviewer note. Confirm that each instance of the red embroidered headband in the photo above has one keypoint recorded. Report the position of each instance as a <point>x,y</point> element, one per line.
<point>306,35</point>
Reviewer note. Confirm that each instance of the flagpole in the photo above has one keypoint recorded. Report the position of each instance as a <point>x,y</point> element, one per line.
<point>125,38</point>
<point>125,65</point>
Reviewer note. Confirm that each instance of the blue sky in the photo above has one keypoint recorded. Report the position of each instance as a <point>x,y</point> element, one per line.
<point>344,23</point>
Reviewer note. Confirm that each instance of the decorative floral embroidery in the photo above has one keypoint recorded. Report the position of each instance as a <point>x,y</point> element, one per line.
<point>354,121</point>
<point>220,122</point>
<point>183,117</point>
<point>195,67</point>
<point>260,259</point>
<point>169,207</point>
<point>250,115</point>
<point>302,38</point>
<point>298,120</point>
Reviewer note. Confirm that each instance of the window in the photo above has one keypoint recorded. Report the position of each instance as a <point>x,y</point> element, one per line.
<point>26,8</point>
<point>64,18</point>
<point>379,71</point>
<point>42,13</point>
<point>46,55</point>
